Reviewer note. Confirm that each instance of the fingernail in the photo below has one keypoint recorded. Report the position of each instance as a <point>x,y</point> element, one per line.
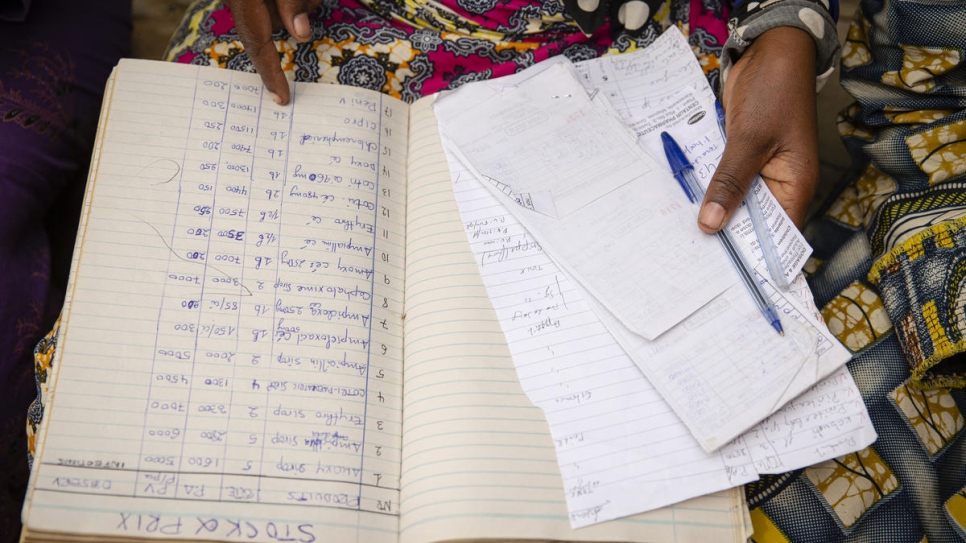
<point>302,29</point>
<point>712,216</point>
<point>275,98</point>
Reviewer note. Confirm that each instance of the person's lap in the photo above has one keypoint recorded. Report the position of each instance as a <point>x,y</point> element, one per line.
<point>901,489</point>
<point>53,67</point>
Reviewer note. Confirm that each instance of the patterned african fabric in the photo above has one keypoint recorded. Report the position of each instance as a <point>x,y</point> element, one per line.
<point>907,136</point>
<point>889,273</point>
<point>413,48</point>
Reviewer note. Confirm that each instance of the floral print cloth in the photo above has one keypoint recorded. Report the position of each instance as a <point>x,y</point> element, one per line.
<point>413,48</point>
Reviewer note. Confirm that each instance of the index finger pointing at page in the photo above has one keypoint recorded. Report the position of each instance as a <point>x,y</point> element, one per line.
<point>253,22</point>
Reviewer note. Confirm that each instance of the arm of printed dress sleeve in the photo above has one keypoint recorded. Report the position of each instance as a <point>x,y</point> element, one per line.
<point>774,51</point>
<point>906,134</point>
<point>920,281</point>
<point>912,192</point>
<point>915,178</point>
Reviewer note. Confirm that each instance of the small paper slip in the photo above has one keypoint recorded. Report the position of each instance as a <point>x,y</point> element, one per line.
<point>616,215</point>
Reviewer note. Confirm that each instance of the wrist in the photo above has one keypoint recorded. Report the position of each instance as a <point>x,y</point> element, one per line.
<point>750,22</point>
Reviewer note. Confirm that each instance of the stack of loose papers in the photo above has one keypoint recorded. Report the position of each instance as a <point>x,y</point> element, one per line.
<point>659,378</point>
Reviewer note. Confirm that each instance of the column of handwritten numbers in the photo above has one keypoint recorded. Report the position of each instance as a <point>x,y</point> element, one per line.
<point>252,383</point>
<point>167,409</point>
<point>315,383</point>
<point>206,456</point>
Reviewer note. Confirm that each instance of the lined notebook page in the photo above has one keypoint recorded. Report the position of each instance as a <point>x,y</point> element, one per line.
<point>230,365</point>
<point>478,461</point>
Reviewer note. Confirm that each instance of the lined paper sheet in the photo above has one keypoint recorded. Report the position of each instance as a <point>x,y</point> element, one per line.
<point>610,427</point>
<point>647,99</point>
<point>639,239</point>
<point>75,258</point>
<point>467,419</point>
<point>645,86</point>
<point>232,352</point>
<point>620,448</point>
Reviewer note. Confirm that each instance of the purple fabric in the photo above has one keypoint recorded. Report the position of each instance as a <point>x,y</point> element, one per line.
<point>53,67</point>
<point>13,10</point>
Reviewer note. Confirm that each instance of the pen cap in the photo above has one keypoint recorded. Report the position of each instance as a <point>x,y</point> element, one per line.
<point>675,156</point>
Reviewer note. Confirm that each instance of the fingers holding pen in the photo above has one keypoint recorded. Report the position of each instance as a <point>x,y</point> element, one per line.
<point>769,99</point>
<point>729,185</point>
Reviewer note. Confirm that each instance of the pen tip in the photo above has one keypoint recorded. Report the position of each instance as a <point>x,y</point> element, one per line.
<point>777,325</point>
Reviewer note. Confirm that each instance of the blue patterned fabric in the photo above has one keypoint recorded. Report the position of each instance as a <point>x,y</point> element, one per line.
<point>889,272</point>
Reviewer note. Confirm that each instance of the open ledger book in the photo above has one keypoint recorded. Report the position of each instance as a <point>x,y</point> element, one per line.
<point>230,365</point>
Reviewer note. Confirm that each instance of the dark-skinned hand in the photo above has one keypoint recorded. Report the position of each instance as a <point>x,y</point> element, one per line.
<point>255,20</point>
<point>769,101</point>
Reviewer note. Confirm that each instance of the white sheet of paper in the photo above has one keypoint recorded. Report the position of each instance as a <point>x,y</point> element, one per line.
<point>825,421</point>
<point>717,393</point>
<point>604,415</point>
<point>680,101</point>
<point>634,221</point>
<point>614,434</point>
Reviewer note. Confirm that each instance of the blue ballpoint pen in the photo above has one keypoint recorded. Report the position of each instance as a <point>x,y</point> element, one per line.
<point>684,173</point>
<point>767,243</point>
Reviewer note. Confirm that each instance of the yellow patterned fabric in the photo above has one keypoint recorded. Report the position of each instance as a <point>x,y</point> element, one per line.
<point>856,204</point>
<point>933,414</point>
<point>940,150</point>
<point>856,317</point>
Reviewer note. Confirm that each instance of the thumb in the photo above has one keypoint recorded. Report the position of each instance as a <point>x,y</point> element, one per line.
<point>295,17</point>
<point>729,184</point>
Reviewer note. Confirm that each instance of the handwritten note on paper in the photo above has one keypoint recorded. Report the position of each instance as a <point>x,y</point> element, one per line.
<point>245,271</point>
<point>635,228</point>
<point>613,434</point>
<point>704,148</point>
<point>825,421</point>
